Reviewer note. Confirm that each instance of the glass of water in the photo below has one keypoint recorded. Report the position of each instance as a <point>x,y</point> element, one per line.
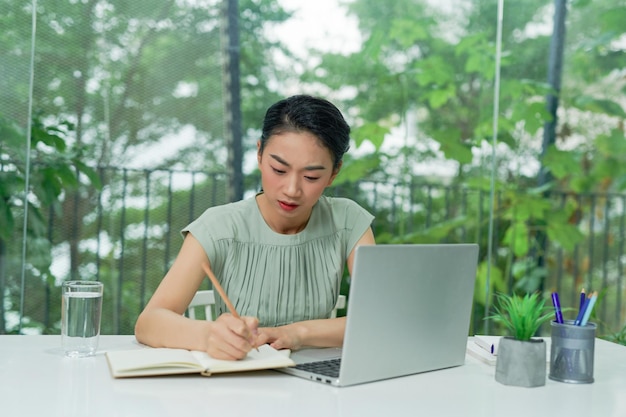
<point>81,311</point>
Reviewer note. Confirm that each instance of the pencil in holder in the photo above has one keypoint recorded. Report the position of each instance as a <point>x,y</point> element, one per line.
<point>572,352</point>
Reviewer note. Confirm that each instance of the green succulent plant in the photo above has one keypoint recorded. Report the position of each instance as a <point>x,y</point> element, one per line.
<point>522,316</point>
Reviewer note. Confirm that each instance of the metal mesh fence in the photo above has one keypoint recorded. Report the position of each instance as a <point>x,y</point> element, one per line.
<point>114,83</point>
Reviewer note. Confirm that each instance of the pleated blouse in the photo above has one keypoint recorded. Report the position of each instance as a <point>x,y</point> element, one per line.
<point>276,277</point>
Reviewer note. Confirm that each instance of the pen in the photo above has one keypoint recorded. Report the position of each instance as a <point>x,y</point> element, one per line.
<point>220,290</point>
<point>581,313</point>
<point>582,299</point>
<point>589,308</point>
<point>557,307</point>
<point>488,343</point>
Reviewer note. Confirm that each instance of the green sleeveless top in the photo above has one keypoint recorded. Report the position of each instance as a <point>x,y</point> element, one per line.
<point>280,278</point>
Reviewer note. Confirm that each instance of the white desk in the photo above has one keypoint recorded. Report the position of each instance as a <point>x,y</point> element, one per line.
<point>36,380</point>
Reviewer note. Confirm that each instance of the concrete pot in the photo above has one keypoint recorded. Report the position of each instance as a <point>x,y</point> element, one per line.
<point>521,363</point>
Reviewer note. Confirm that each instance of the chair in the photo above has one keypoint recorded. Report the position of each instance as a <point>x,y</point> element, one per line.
<point>203,298</point>
<point>341,303</point>
<point>206,299</point>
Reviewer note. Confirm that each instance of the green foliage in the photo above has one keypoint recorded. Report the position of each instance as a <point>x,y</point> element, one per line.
<point>55,170</point>
<point>134,74</point>
<point>130,75</point>
<point>528,275</point>
<point>372,132</point>
<point>421,69</point>
<point>522,316</point>
<point>353,170</point>
<point>601,106</point>
<point>617,337</point>
<point>598,165</point>
<point>560,163</point>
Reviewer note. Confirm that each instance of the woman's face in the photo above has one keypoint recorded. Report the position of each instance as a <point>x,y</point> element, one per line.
<point>295,170</point>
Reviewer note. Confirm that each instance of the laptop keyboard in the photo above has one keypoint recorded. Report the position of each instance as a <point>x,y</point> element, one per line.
<point>328,367</point>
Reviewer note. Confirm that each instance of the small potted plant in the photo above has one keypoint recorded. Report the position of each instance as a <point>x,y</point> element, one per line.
<point>521,358</point>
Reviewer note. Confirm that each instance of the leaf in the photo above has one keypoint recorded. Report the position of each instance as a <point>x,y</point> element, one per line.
<point>560,163</point>
<point>526,207</point>
<point>407,33</point>
<point>7,222</point>
<point>516,236</point>
<point>452,146</point>
<point>440,96</point>
<point>535,116</point>
<point>566,235</point>
<point>43,135</point>
<point>601,106</point>
<point>522,316</point>
<point>353,170</point>
<point>534,88</point>
<point>93,176</point>
<point>479,54</point>
<point>67,176</point>
<point>374,44</point>
<point>372,132</point>
<point>434,70</point>
<point>531,280</point>
<point>607,170</point>
<point>613,145</point>
<point>443,229</point>
<point>496,282</point>
<point>613,20</point>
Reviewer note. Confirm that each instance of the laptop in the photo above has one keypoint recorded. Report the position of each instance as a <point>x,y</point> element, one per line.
<point>409,309</point>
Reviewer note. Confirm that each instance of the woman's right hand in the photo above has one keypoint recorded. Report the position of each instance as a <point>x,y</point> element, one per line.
<point>231,338</point>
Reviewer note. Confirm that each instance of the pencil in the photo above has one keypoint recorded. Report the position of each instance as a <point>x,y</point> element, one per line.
<point>220,290</point>
<point>592,301</point>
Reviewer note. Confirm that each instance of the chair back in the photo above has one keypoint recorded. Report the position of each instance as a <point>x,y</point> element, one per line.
<point>206,300</point>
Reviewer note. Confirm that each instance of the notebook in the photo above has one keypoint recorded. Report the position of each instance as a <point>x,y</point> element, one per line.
<point>409,309</point>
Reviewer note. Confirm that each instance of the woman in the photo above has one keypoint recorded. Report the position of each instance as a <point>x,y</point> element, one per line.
<point>279,256</point>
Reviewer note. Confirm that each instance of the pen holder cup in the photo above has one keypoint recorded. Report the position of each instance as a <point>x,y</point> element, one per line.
<point>572,352</point>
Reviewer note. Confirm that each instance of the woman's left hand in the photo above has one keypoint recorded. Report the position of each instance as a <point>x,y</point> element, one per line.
<point>283,337</point>
<point>313,333</point>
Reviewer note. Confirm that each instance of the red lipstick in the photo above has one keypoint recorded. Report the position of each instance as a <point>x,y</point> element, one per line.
<point>287,206</point>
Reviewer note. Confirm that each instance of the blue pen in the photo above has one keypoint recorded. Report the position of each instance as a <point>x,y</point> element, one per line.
<point>582,300</point>
<point>557,307</point>
<point>581,313</point>
<point>589,308</point>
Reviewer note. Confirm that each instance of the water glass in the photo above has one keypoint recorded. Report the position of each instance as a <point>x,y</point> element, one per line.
<point>81,312</point>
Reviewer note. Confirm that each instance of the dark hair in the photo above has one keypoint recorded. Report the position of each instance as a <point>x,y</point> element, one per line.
<point>310,114</point>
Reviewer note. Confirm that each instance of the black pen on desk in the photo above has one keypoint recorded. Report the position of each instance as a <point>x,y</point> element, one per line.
<point>220,290</point>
